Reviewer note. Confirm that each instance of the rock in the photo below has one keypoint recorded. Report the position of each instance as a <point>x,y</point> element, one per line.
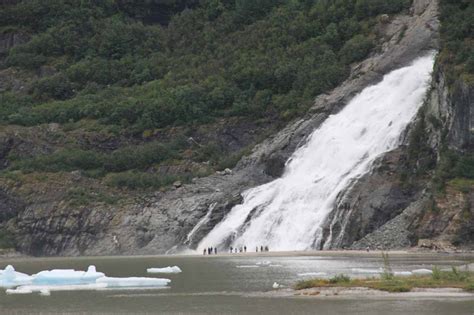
<point>53,127</point>
<point>177,184</point>
<point>227,171</point>
<point>274,166</point>
<point>419,6</point>
<point>76,175</point>
<point>384,18</point>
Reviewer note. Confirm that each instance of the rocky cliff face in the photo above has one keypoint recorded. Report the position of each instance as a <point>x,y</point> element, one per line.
<point>381,209</point>
<point>385,210</point>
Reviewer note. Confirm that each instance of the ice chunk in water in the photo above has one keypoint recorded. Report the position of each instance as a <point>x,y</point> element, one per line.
<point>10,278</point>
<point>403,273</point>
<point>174,269</point>
<point>19,290</point>
<point>422,272</point>
<point>47,281</point>
<point>112,282</point>
<point>367,271</point>
<point>263,263</point>
<point>67,276</point>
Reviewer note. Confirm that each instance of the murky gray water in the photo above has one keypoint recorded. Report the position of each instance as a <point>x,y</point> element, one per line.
<point>225,285</point>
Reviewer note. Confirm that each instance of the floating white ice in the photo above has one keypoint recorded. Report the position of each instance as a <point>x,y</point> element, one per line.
<point>67,276</point>
<point>289,212</point>
<point>132,282</point>
<point>174,269</point>
<point>422,272</point>
<point>10,278</point>
<point>70,280</point>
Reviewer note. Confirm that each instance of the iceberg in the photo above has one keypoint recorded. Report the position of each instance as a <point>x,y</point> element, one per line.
<point>67,276</point>
<point>403,273</point>
<point>44,282</point>
<point>422,272</point>
<point>276,285</point>
<point>9,278</point>
<point>133,282</point>
<point>174,269</point>
<point>367,271</point>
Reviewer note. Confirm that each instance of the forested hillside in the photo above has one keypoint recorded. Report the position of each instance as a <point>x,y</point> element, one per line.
<point>117,68</point>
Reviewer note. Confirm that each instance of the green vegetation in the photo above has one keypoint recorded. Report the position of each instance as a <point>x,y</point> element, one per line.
<point>142,180</point>
<point>221,58</point>
<point>80,196</point>
<point>439,279</point>
<point>387,273</point>
<point>132,70</point>
<point>457,39</point>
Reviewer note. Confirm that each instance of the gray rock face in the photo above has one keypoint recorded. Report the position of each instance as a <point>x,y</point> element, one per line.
<point>166,221</point>
<point>409,214</point>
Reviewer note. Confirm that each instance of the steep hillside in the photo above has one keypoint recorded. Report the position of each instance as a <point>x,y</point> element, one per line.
<point>115,117</point>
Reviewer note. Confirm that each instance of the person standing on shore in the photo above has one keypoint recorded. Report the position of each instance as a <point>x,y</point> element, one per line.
<point>215,250</point>
<point>245,249</point>
<point>204,252</point>
<point>256,249</point>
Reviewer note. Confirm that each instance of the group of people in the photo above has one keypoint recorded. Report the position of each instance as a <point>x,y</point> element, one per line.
<point>210,251</point>
<point>241,249</point>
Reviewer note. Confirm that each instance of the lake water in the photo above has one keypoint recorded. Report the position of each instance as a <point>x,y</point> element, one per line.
<point>227,285</point>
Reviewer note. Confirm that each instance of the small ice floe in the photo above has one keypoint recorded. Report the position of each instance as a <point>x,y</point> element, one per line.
<point>67,276</point>
<point>174,269</point>
<point>18,290</point>
<point>422,272</point>
<point>9,278</point>
<point>312,274</point>
<point>264,263</point>
<point>276,285</point>
<point>45,292</point>
<point>367,271</point>
<point>132,282</point>
<point>403,273</point>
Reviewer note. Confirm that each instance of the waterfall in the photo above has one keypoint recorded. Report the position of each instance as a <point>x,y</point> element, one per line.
<point>289,212</point>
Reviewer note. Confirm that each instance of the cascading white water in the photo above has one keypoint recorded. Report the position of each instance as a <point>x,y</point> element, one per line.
<point>287,213</point>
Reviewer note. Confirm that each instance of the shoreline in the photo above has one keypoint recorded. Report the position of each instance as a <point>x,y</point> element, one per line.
<point>312,253</point>
<point>367,293</point>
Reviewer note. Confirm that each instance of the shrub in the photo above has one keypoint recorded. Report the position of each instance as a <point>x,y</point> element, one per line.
<point>340,278</point>
<point>139,180</point>
<point>387,273</point>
